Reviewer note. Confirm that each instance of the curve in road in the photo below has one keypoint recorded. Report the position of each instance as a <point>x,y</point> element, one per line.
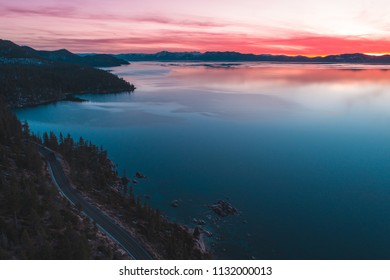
<point>105,223</point>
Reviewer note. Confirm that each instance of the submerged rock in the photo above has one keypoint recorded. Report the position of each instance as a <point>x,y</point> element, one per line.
<point>175,203</point>
<point>199,222</point>
<point>223,208</point>
<point>139,175</point>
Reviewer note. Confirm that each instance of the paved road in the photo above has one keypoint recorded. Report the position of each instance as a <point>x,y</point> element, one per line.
<point>116,232</point>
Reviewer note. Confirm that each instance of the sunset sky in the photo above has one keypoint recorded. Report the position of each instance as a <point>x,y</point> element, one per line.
<point>250,26</point>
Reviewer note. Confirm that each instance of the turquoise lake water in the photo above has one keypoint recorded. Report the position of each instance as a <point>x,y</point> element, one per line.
<point>302,151</point>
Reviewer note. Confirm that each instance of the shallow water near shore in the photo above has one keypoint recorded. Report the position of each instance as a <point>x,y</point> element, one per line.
<point>302,151</point>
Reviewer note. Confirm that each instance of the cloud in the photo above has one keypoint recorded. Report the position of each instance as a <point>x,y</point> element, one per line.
<point>185,22</point>
<point>213,41</point>
<point>74,13</point>
<point>64,11</point>
<point>93,31</point>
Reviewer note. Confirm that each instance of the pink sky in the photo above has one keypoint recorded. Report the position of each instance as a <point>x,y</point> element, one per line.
<point>250,26</point>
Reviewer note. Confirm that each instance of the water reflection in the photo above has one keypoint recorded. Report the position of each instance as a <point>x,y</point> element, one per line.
<point>301,150</point>
<point>264,90</point>
<point>253,76</point>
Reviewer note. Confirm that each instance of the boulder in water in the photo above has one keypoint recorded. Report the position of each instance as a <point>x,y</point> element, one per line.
<point>175,203</point>
<point>198,222</point>
<point>223,208</point>
<point>139,175</point>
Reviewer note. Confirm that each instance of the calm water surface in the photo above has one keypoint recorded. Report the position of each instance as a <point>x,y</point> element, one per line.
<point>303,151</point>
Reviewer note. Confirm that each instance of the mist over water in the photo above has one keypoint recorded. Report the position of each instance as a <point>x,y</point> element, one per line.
<point>302,151</point>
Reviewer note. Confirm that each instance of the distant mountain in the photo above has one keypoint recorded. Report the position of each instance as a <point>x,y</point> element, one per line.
<point>207,56</point>
<point>11,50</point>
<point>62,55</point>
<point>355,58</point>
<point>236,56</point>
<point>96,60</point>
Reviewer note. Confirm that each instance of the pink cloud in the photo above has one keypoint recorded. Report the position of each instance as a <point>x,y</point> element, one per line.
<point>39,11</point>
<point>73,13</point>
<point>86,28</point>
<point>186,22</point>
<point>212,41</point>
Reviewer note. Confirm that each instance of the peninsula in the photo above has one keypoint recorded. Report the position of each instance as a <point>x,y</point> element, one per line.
<point>29,77</point>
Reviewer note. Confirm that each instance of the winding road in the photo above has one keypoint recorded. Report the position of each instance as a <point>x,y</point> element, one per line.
<point>105,223</point>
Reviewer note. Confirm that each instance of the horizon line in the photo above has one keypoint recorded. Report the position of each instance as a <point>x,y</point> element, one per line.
<point>243,53</point>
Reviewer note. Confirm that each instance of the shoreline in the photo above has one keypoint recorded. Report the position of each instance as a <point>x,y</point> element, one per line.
<point>71,97</point>
<point>262,61</point>
<point>116,205</point>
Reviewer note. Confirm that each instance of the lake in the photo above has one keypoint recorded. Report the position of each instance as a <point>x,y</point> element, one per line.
<point>302,151</point>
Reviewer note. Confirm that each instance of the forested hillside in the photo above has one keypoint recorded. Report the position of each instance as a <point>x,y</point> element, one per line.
<point>9,49</point>
<point>94,175</point>
<point>31,84</point>
<point>35,222</point>
<point>29,77</point>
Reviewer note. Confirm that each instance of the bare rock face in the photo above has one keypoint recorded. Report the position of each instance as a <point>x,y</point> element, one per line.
<point>223,208</point>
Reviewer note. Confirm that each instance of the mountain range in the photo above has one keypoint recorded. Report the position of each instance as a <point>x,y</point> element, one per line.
<point>30,77</point>
<point>10,50</point>
<point>236,56</point>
